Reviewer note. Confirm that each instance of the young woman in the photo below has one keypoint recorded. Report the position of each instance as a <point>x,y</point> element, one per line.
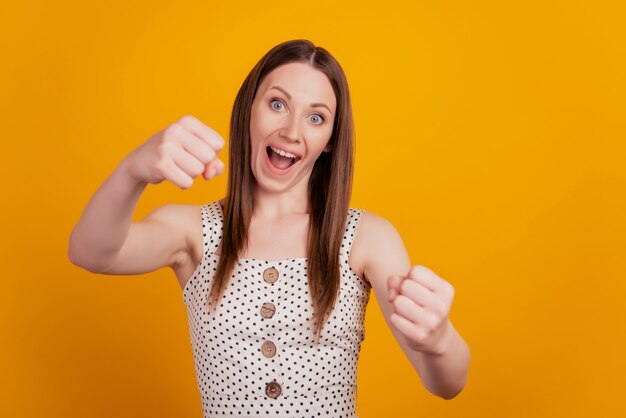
<point>276,276</point>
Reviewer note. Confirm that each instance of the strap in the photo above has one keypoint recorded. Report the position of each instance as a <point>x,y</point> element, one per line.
<point>211,226</point>
<point>348,237</point>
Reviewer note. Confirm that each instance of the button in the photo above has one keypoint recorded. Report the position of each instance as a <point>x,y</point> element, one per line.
<point>267,310</point>
<point>268,348</point>
<point>273,390</point>
<point>270,275</point>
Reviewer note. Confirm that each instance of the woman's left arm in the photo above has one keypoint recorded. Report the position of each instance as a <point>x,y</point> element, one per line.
<point>416,304</point>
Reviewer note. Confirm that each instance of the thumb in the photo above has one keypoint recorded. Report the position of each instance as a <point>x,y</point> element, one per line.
<point>214,168</point>
<point>393,286</point>
<point>206,173</point>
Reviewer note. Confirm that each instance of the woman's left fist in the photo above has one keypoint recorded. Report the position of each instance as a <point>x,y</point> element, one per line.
<point>421,302</point>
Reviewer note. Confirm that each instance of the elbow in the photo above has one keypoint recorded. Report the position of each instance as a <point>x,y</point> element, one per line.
<point>453,392</point>
<point>73,258</point>
<point>451,395</point>
<point>76,260</point>
<point>71,254</point>
<point>448,393</point>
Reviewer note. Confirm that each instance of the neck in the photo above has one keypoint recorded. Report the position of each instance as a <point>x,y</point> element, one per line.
<point>274,205</point>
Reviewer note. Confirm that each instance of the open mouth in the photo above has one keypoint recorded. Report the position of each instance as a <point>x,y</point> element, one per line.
<point>280,159</point>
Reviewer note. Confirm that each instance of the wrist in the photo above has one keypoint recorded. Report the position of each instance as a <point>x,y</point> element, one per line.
<point>443,344</point>
<point>126,172</point>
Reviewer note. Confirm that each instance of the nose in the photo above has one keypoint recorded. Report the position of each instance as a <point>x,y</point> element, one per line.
<point>291,130</point>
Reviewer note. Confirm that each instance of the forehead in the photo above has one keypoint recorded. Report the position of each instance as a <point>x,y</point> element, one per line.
<point>303,82</point>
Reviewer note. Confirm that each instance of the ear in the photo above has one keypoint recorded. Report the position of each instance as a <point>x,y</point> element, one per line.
<point>328,147</point>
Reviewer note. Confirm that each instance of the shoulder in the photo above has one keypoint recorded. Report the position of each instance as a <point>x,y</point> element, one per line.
<point>374,236</point>
<point>189,215</point>
<point>188,220</point>
<point>182,217</point>
<point>175,215</point>
<point>378,251</point>
<point>372,228</point>
<point>371,220</point>
<point>180,213</point>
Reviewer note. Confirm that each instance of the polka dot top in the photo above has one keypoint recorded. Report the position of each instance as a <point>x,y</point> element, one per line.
<point>256,357</point>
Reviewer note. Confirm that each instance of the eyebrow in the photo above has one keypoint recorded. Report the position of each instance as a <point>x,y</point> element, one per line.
<point>289,97</point>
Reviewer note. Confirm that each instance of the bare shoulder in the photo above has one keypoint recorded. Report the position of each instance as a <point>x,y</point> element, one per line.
<point>379,253</point>
<point>186,218</point>
<point>182,221</point>
<point>373,228</point>
<point>190,218</point>
<point>374,236</point>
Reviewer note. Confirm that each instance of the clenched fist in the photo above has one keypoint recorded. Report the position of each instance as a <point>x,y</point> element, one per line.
<point>179,153</point>
<point>421,301</point>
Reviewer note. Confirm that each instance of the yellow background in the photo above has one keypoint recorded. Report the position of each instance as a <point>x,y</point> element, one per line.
<point>490,133</point>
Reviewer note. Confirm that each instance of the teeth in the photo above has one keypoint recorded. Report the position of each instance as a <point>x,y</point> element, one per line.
<point>283,153</point>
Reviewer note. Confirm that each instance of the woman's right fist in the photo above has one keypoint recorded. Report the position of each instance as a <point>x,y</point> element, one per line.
<point>178,153</point>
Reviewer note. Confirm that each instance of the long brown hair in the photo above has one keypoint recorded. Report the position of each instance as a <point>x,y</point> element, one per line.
<point>330,184</point>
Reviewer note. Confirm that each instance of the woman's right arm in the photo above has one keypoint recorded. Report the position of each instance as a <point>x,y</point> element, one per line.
<point>105,240</point>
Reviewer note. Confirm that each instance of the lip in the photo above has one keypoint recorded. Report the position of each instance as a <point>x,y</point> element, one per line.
<point>276,169</point>
<point>287,150</point>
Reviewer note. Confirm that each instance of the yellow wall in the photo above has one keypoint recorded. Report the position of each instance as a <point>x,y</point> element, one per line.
<point>490,133</point>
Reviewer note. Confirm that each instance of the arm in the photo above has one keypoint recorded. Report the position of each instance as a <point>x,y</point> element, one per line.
<point>104,224</point>
<point>105,240</point>
<point>423,330</point>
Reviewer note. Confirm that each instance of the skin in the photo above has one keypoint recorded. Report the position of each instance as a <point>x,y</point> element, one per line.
<point>280,220</point>
<point>414,301</point>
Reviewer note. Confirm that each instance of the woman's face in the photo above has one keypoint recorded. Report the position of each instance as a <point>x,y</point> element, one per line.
<point>291,124</point>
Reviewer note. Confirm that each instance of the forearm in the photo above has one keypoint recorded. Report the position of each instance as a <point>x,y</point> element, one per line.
<point>103,226</point>
<point>445,374</point>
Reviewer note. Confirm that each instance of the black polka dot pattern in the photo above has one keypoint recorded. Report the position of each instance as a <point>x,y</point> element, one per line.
<point>256,357</point>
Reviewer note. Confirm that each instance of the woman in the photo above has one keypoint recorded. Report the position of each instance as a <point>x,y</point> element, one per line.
<point>277,283</point>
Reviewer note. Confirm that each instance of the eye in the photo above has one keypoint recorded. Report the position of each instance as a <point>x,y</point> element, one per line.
<point>317,119</point>
<point>278,102</point>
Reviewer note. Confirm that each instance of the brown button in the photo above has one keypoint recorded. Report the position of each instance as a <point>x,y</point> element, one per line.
<point>268,348</point>
<point>270,275</point>
<point>273,390</point>
<point>267,310</point>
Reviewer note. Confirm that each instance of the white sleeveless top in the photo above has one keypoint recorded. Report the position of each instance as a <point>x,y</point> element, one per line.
<point>256,357</point>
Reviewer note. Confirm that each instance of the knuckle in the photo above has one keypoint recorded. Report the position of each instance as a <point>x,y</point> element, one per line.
<point>442,310</point>
<point>401,300</point>
<point>434,322</point>
<point>445,310</point>
<point>186,119</point>
<point>161,165</point>
<point>420,269</point>
<point>210,154</point>
<point>198,168</point>
<point>415,271</point>
<point>450,290</point>
<point>170,130</point>
<point>420,334</point>
<point>163,149</point>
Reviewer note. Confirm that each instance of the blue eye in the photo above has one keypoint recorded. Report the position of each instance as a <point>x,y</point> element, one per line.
<point>319,117</point>
<point>276,101</point>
